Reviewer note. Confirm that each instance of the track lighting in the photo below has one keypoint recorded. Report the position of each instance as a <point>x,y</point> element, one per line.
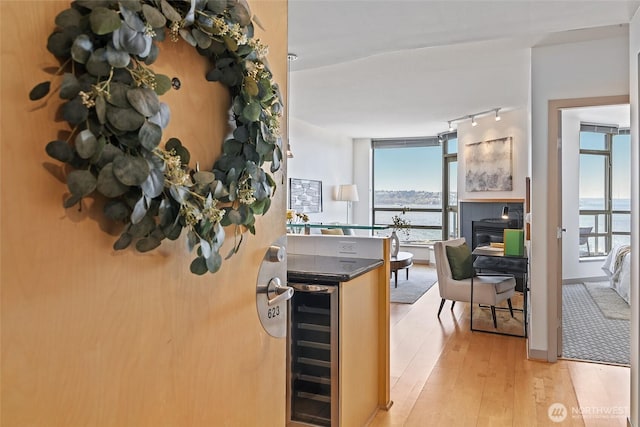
<point>473,117</point>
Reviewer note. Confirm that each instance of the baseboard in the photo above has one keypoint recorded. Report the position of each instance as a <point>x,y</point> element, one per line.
<point>540,355</point>
<point>578,280</point>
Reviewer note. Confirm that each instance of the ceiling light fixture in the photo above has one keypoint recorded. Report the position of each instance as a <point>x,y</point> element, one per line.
<point>474,116</point>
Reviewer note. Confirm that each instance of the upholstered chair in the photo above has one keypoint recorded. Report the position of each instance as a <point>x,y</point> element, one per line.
<point>488,290</point>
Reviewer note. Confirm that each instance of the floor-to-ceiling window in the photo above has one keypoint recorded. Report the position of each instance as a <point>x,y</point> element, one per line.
<point>410,177</point>
<point>604,186</point>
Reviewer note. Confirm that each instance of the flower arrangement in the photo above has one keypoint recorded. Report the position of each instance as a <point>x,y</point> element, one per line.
<point>110,99</point>
<point>401,224</point>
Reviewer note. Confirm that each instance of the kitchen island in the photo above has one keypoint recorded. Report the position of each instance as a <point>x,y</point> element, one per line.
<point>338,353</point>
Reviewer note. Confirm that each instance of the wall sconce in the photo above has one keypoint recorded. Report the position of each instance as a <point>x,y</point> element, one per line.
<point>348,193</point>
<point>505,212</point>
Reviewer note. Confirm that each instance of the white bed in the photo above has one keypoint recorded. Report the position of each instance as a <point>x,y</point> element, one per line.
<point>617,267</point>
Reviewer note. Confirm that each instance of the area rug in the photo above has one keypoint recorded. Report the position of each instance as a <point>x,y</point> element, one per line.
<point>587,334</point>
<point>421,279</point>
<point>609,302</point>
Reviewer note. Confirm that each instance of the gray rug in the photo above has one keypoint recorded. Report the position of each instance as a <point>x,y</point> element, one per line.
<point>587,334</point>
<point>421,279</point>
<point>609,302</point>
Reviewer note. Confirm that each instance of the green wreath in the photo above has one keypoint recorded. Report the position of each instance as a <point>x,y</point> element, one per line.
<point>111,103</point>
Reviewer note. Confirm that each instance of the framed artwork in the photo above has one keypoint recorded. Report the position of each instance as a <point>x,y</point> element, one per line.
<point>488,165</point>
<point>305,195</point>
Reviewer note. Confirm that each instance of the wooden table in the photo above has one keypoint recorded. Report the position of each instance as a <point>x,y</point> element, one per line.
<point>403,260</point>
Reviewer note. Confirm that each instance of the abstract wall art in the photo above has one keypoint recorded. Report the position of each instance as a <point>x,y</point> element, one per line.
<point>488,165</point>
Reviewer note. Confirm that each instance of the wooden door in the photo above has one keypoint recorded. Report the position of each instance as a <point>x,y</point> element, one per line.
<point>102,338</point>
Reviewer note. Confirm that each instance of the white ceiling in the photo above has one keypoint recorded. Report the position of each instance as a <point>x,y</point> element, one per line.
<point>401,68</point>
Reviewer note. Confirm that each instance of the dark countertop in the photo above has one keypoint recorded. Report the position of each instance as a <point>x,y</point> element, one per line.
<point>327,269</point>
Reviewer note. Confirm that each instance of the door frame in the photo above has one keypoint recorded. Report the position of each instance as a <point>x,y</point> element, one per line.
<point>554,216</point>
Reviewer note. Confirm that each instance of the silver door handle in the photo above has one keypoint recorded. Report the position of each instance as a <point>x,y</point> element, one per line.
<point>277,293</point>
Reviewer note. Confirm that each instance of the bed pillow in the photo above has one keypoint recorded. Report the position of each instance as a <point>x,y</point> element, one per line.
<point>460,261</point>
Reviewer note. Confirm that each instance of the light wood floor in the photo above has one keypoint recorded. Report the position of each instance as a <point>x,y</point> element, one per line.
<point>442,374</point>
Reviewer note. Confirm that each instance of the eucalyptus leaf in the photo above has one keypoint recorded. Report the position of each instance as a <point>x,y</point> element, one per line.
<point>101,109</point>
<point>118,95</point>
<point>241,13</point>
<point>217,6</point>
<point>131,17</point>
<point>154,184</point>
<point>198,266</point>
<point>150,135</point>
<point>39,91</point>
<point>68,18</point>
<point>143,228</point>
<point>188,37</point>
<point>192,240</point>
<point>147,244</point>
<point>205,247</point>
<point>109,152</point>
<point>59,43</point>
<point>130,170</point>
<point>139,210</point>
<point>163,84</point>
<point>163,116</point>
<point>117,58</point>
<point>214,262</point>
<point>75,112</point>
<point>86,144</point>
<point>125,119</point>
<point>81,182</point>
<point>97,64</point>
<point>234,216</point>
<point>173,231</point>
<point>179,193</point>
<point>144,100</point>
<point>104,21</point>
<point>204,177</point>
<point>60,150</point>
<point>251,111</point>
<point>250,86</point>
<point>169,11</point>
<point>69,87</point>
<point>203,40</point>
<point>108,184</point>
<point>153,16</point>
<point>81,49</point>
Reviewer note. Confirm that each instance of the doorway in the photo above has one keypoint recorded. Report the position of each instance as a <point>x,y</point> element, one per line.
<point>596,224</point>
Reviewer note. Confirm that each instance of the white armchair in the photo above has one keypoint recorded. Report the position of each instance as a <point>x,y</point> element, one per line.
<point>487,290</point>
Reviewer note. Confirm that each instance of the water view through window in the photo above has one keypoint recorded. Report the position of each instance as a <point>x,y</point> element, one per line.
<point>408,182</point>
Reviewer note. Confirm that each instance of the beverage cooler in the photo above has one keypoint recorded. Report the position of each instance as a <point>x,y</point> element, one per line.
<point>312,374</point>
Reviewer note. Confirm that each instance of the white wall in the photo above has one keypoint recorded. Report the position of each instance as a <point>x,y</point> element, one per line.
<point>323,156</point>
<point>634,71</point>
<point>514,124</point>
<point>573,70</point>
